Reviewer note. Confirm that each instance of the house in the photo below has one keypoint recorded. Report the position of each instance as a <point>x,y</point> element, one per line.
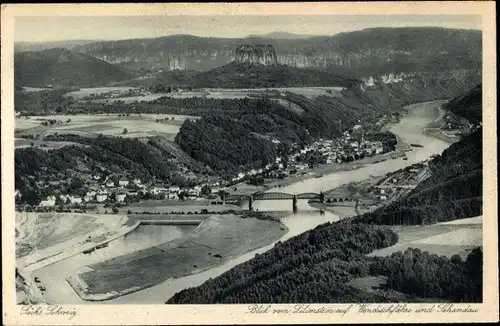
<point>50,201</point>
<point>110,184</point>
<point>155,191</point>
<point>75,199</point>
<point>193,193</point>
<point>100,197</point>
<point>120,197</point>
<point>88,198</point>
<point>241,175</point>
<point>137,182</point>
<point>123,183</point>
<point>301,167</point>
<point>382,191</point>
<point>90,194</point>
<point>277,160</point>
<point>173,189</point>
<point>197,188</point>
<point>172,196</point>
<point>383,197</point>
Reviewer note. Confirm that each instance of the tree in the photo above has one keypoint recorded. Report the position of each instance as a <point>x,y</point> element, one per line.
<point>125,131</point>
<point>206,190</point>
<point>115,210</point>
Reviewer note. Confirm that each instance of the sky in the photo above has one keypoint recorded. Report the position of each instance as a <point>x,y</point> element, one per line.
<point>59,28</point>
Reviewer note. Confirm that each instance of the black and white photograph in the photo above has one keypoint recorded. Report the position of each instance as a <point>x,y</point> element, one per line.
<point>249,159</point>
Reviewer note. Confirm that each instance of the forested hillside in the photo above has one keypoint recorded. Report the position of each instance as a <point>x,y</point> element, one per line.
<point>241,75</point>
<point>63,67</point>
<point>469,105</point>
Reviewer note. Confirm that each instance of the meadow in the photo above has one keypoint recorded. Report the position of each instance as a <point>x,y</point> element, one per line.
<point>448,238</point>
<point>137,126</point>
<point>219,93</point>
<point>83,92</point>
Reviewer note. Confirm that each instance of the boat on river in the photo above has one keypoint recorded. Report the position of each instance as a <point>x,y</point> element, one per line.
<point>416,145</point>
<point>88,251</point>
<point>102,245</point>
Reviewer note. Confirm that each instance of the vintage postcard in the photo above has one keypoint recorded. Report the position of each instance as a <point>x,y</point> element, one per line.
<point>249,163</point>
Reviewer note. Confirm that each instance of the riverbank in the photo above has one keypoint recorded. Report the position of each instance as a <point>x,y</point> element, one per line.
<point>215,241</point>
<point>58,236</point>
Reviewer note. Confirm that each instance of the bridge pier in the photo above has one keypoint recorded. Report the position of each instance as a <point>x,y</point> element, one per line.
<point>294,203</point>
<point>250,203</point>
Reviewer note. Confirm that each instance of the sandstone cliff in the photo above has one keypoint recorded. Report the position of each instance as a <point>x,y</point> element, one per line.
<point>256,54</point>
<point>363,53</point>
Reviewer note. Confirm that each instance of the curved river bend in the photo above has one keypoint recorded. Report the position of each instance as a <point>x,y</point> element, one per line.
<point>410,129</point>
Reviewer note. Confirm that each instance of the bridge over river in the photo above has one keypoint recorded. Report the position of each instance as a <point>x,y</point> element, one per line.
<point>250,198</point>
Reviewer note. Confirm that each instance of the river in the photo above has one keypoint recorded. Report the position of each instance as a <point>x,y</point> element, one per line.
<point>410,129</point>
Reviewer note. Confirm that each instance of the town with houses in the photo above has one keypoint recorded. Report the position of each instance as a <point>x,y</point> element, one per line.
<point>116,190</point>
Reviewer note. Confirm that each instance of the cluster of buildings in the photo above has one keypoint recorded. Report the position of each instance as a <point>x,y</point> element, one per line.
<point>118,191</point>
<point>344,149</point>
<point>401,181</point>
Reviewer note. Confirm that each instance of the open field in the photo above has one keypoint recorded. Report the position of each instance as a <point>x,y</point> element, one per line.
<point>96,90</point>
<point>220,93</point>
<point>310,92</point>
<point>113,125</point>
<point>42,144</point>
<point>448,238</point>
<point>214,241</point>
<point>35,89</point>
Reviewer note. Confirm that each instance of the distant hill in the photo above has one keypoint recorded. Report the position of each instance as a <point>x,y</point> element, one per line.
<point>468,105</point>
<point>282,35</point>
<point>246,75</point>
<point>242,75</point>
<point>40,46</point>
<point>368,52</point>
<point>62,67</point>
